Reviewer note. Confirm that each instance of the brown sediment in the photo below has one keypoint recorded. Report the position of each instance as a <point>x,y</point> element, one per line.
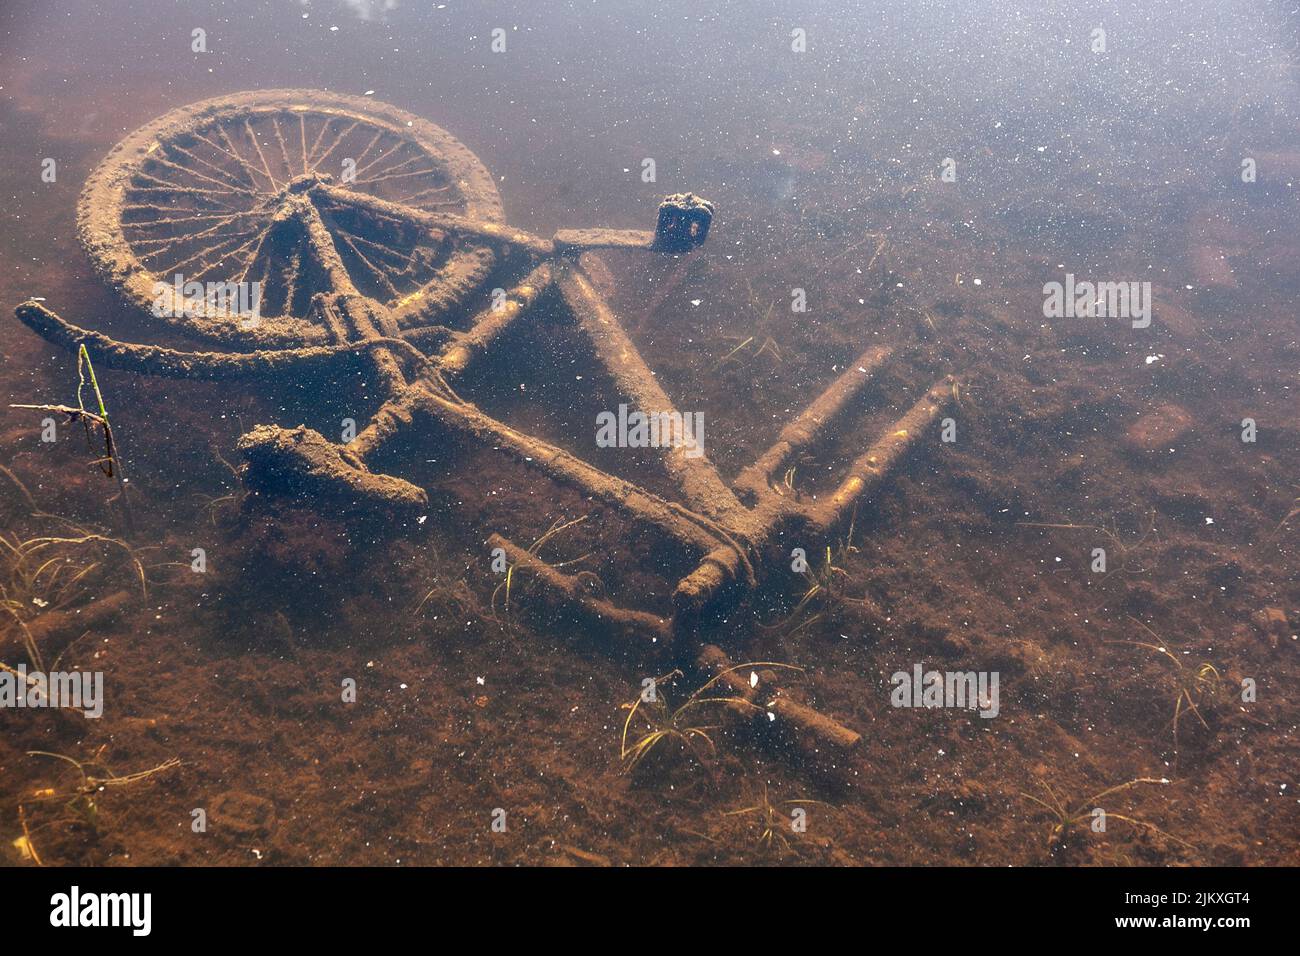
<point>669,286</point>
<point>1158,429</point>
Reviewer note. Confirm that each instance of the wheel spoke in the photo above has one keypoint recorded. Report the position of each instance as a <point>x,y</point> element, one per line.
<point>229,178</point>
<point>188,237</point>
<point>266,169</point>
<point>311,153</point>
<point>203,217</point>
<point>396,166</point>
<point>168,184</point>
<point>409,260</point>
<point>302,132</point>
<point>334,145</point>
<point>247,164</point>
<point>369,146</point>
<point>186,191</point>
<point>380,158</point>
<point>284,149</point>
<point>386,178</point>
<point>243,163</point>
<point>202,254</point>
<point>226,255</point>
<point>198,175</point>
<point>261,241</point>
<point>370,266</point>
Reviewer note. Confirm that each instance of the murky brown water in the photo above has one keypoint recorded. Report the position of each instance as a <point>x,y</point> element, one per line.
<point>914,178</point>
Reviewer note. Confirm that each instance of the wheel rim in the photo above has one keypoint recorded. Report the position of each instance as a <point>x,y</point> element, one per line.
<point>202,192</point>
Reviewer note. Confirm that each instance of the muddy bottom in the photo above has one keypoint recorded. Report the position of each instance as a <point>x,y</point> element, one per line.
<point>1104,523</point>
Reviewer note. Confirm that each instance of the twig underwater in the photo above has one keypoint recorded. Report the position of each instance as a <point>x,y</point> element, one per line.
<point>109,462</point>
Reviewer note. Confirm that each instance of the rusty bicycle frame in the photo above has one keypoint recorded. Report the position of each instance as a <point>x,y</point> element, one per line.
<point>303,223</point>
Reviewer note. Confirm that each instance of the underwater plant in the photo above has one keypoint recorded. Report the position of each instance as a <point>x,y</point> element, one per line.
<point>506,587</point>
<point>236,497</point>
<point>42,575</point>
<point>826,595</point>
<point>80,803</point>
<point>765,345</point>
<point>1295,511</point>
<point>1195,689</point>
<point>664,722</point>
<point>772,821</point>
<point>1128,551</point>
<point>1066,821</point>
